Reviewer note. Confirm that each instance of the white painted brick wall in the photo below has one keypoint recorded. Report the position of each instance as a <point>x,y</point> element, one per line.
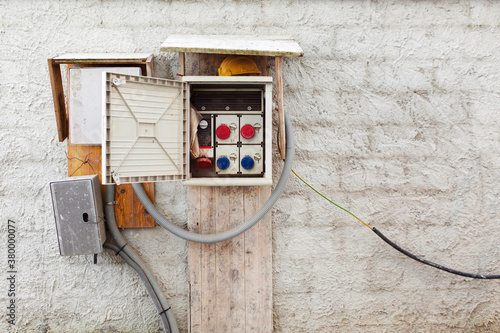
<point>395,107</point>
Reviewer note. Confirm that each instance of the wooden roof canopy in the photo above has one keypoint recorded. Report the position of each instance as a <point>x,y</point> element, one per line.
<point>228,44</point>
<point>274,46</point>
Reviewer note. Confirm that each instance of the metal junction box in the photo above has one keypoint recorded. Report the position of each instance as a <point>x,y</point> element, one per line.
<point>147,124</point>
<point>79,215</point>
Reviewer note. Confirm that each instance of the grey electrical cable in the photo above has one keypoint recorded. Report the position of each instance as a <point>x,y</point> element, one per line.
<point>220,237</point>
<point>144,279</point>
<point>122,243</point>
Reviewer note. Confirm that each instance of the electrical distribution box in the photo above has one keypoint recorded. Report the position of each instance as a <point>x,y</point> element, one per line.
<point>146,129</point>
<point>79,215</point>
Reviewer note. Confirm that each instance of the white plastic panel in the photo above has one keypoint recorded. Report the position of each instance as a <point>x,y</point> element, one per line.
<point>236,181</point>
<point>257,123</point>
<point>232,122</point>
<point>227,79</point>
<point>230,154</point>
<point>256,155</point>
<point>85,102</point>
<point>145,137</point>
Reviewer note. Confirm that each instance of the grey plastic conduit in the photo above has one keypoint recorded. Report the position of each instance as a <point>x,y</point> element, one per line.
<point>144,279</point>
<point>220,237</point>
<point>122,243</point>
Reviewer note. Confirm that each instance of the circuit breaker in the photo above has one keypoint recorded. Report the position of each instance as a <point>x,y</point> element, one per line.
<point>79,215</point>
<point>147,125</point>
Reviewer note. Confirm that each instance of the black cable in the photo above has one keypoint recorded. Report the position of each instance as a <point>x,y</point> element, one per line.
<point>144,278</point>
<point>430,263</point>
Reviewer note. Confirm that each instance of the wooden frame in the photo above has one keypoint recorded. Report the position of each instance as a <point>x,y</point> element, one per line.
<point>142,60</point>
<point>281,108</point>
<point>86,159</point>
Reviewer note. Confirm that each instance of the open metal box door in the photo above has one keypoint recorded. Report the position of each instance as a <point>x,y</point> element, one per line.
<point>144,129</point>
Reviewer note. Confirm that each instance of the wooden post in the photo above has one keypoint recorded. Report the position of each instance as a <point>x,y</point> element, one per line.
<point>281,111</point>
<point>149,67</point>
<point>182,64</point>
<point>58,96</point>
<point>230,282</point>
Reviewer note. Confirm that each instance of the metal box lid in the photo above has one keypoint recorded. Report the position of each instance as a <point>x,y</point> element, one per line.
<point>79,215</point>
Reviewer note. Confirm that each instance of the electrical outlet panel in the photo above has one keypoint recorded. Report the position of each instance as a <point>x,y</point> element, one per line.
<point>147,130</point>
<point>79,215</point>
<point>242,132</point>
<point>227,160</point>
<point>251,160</point>
<point>227,129</point>
<point>251,129</point>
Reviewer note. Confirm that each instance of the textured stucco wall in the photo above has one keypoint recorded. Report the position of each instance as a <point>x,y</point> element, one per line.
<point>396,113</point>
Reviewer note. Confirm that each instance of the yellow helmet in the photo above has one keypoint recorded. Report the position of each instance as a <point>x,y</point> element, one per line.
<point>238,65</point>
